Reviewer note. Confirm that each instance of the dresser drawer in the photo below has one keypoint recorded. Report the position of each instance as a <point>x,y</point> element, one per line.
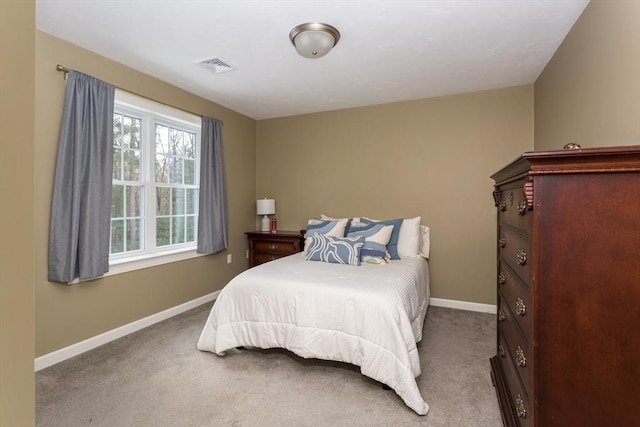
<point>516,345</point>
<point>513,249</point>
<point>512,208</point>
<point>517,296</point>
<point>261,258</point>
<point>518,395</point>
<point>274,247</point>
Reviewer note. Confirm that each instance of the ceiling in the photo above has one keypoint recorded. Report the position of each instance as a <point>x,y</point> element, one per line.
<point>389,51</point>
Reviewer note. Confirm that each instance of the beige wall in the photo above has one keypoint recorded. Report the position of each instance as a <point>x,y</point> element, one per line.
<point>589,92</point>
<point>431,157</point>
<point>17,46</point>
<point>68,314</point>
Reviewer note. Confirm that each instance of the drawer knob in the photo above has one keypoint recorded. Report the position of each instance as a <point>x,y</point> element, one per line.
<point>502,242</point>
<point>273,246</point>
<point>501,316</point>
<point>521,411</point>
<point>502,279</point>
<point>503,206</point>
<point>521,257</point>
<point>521,309</point>
<point>522,207</point>
<point>520,359</point>
<point>501,351</point>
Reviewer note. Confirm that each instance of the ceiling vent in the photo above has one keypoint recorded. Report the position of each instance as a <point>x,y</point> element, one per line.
<point>217,65</point>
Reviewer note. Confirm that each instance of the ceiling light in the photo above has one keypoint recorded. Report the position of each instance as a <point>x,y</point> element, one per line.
<point>314,39</point>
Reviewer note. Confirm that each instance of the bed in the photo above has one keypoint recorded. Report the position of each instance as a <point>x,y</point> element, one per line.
<point>370,316</point>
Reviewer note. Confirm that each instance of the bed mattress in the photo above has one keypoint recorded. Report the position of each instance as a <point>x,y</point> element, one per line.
<point>370,316</point>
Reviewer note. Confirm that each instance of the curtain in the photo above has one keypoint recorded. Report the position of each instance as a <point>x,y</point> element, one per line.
<point>79,227</point>
<point>213,228</point>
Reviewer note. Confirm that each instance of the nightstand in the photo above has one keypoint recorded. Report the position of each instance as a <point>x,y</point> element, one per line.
<point>266,246</point>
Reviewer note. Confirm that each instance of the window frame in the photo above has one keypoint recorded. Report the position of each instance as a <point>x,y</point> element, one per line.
<point>151,114</point>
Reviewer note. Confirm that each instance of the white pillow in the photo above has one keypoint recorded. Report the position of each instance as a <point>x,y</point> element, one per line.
<point>425,241</point>
<point>409,237</point>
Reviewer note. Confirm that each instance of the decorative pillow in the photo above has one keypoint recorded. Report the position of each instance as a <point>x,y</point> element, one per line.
<point>328,227</point>
<point>339,250</point>
<point>392,246</point>
<point>409,237</point>
<point>425,243</point>
<point>353,220</point>
<point>376,238</point>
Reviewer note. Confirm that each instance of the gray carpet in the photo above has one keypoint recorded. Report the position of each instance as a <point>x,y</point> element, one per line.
<point>157,377</point>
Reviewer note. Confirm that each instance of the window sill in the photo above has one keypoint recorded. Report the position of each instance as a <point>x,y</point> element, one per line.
<point>150,260</point>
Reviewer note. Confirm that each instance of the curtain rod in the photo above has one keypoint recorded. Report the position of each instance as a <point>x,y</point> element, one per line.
<point>65,70</point>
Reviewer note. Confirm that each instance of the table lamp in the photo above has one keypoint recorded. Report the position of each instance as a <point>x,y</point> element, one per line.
<point>266,207</point>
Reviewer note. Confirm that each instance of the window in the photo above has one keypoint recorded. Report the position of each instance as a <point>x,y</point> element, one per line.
<point>154,209</point>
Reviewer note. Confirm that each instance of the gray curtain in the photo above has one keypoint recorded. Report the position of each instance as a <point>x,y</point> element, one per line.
<point>79,228</point>
<point>213,228</point>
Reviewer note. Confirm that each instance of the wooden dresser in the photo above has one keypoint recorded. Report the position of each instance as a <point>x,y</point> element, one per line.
<point>266,246</point>
<point>568,243</point>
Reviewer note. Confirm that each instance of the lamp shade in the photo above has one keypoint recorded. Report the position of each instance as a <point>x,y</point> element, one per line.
<point>266,206</point>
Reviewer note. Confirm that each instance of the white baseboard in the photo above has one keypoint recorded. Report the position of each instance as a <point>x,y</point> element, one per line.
<point>463,305</point>
<point>75,349</point>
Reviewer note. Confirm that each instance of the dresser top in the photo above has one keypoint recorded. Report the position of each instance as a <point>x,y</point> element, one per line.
<point>279,233</point>
<point>581,160</point>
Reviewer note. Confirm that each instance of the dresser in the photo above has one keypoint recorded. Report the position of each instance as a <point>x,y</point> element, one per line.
<point>266,246</point>
<point>568,288</point>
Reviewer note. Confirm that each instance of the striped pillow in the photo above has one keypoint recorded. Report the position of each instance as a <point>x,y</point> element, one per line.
<point>377,238</point>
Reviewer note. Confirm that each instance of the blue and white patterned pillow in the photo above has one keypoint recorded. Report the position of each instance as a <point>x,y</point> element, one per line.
<point>392,246</point>
<point>334,249</point>
<point>377,237</point>
<point>327,227</point>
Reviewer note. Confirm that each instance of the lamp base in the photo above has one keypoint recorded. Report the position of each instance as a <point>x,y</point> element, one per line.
<point>266,223</point>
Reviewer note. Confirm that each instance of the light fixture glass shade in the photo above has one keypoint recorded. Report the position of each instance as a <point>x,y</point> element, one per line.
<point>266,207</point>
<point>314,39</point>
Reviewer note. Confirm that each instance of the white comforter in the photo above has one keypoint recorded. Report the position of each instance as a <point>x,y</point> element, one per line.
<point>370,316</point>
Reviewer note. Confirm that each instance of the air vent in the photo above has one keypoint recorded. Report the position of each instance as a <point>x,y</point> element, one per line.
<point>217,65</point>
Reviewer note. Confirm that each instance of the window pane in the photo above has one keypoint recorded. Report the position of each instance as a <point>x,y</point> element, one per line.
<point>191,228</point>
<point>175,141</point>
<point>133,200</point>
<point>192,200</point>
<point>177,228</point>
<point>117,201</point>
<point>162,154</point>
<point>134,133</point>
<point>163,201</point>
<point>133,234</point>
<point>117,130</point>
<point>163,231</point>
<point>189,172</point>
<point>117,236</point>
<point>117,164</point>
<point>162,168</point>
<point>176,170</point>
<point>177,199</point>
<point>126,126</point>
<point>131,161</point>
<point>190,142</point>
